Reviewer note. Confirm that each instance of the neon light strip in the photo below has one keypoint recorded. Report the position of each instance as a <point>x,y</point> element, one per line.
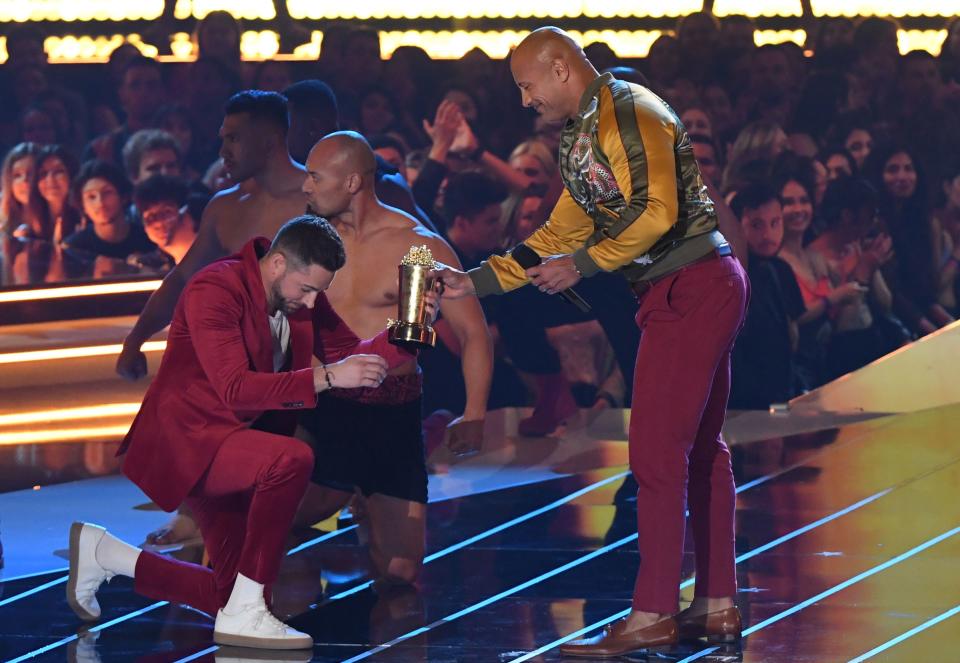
<point>494,530</point>
<point>577,562</point>
<point>70,414</point>
<point>30,592</point>
<point>909,634</point>
<point>496,597</point>
<point>78,291</point>
<point>75,353</point>
<point>34,436</point>
<point>745,556</point>
<point>33,575</point>
<point>71,638</point>
<point>833,590</point>
<point>302,546</point>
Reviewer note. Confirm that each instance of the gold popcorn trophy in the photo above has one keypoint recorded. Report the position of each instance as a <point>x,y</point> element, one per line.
<point>415,282</point>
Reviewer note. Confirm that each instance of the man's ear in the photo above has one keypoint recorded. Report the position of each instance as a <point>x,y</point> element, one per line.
<point>354,182</point>
<point>460,221</point>
<point>560,69</point>
<point>278,262</point>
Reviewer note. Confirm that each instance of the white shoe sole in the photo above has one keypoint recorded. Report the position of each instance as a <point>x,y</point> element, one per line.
<point>253,642</point>
<point>81,612</point>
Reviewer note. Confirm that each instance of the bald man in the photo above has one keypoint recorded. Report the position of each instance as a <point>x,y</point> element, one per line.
<point>369,442</point>
<point>634,202</point>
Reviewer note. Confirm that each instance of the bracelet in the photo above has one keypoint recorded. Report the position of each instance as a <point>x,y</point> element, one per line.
<point>326,374</point>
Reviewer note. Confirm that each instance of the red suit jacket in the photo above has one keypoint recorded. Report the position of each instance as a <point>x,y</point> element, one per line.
<point>216,376</point>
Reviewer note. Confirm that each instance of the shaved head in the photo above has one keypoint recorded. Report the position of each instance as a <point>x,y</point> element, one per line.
<point>552,72</point>
<point>340,167</point>
<point>347,149</point>
<point>547,44</point>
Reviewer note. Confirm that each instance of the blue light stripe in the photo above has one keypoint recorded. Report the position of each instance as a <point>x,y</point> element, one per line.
<point>833,590</point>
<point>473,539</point>
<point>33,575</point>
<point>35,590</point>
<point>525,517</point>
<point>320,539</point>
<point>493,530</point>
<point>199,654</point>
<point>496,597</point>
<point>689,581</point>
<point>100,627</point>
<point>909,634</point>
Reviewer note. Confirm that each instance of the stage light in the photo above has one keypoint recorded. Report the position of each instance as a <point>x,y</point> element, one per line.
<point>64,435</point>
<point>79,10</point>
<point>763,37</point>
<point>70,414</point>
<point>755,9</point>
<point>454,44</point>
<point>923,40</point>
<point>897,8</point>
<point>78,291</point>
<point>242,9</point>
<point>261,45</point>
<point>75,352</point>
<point>308,9</point>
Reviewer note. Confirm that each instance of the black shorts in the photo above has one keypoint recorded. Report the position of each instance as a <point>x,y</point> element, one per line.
<point>377,448</point>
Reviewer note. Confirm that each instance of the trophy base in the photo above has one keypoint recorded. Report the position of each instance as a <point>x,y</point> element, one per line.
<point>421,336</point>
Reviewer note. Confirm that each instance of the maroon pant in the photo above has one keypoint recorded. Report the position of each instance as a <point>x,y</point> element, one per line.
<point>244,505</point>
<point>688,322</point>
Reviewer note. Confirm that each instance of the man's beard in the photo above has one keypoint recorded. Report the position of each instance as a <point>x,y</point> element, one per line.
<point>279,303</point>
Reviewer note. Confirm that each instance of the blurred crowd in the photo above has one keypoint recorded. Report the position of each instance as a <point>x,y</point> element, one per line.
<point>840,160</point>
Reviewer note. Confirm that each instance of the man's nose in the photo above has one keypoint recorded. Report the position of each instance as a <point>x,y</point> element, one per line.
<point>310,300</point>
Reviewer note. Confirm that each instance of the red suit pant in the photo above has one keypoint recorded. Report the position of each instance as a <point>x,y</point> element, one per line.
<point>244,504</point>
<point>688,322</point>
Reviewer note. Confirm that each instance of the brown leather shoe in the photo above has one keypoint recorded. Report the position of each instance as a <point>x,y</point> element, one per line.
<point>719,626</point>
<point>613,641</point>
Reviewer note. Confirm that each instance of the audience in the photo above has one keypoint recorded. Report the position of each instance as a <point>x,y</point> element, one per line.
<point>840,165</point>
<point>763,357</point>
<point>162,201</point>
<point>103,193</point>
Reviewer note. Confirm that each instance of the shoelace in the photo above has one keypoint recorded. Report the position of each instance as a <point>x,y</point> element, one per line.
<point>265,616</point>
<point>90,588</point>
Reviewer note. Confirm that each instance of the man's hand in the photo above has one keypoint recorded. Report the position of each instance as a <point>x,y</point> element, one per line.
<point>554,274</point>
<point>466,437</point>
<point>353,372</point>
<point>132,363</point>
<point>456,284</point>
<point>431,302</point>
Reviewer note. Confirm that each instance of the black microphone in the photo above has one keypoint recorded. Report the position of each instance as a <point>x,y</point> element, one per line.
<point>527,258</point>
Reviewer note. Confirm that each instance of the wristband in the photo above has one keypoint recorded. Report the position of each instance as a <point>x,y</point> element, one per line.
<point>326,374</point>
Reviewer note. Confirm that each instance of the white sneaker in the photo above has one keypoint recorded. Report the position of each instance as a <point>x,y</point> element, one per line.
<point>86,574</point>
<point>255,627</point>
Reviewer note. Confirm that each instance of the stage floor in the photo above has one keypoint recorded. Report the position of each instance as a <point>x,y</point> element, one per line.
<point>848,541</point>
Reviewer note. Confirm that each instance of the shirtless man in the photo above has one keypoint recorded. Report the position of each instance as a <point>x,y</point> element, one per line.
<point>370,441</point>
<point>255,153</point>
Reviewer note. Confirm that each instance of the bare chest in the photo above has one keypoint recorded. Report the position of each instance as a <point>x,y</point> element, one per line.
<point>255,217</point>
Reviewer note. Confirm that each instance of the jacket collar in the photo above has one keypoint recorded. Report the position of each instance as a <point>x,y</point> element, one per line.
<point>249,257</point>
<point>593,89</point>
<point>301,325</point>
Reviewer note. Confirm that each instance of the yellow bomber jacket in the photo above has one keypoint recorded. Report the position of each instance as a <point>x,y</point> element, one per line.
<point>633,201</point>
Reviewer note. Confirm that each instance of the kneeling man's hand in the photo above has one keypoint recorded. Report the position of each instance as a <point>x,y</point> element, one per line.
<point>353,372</point>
